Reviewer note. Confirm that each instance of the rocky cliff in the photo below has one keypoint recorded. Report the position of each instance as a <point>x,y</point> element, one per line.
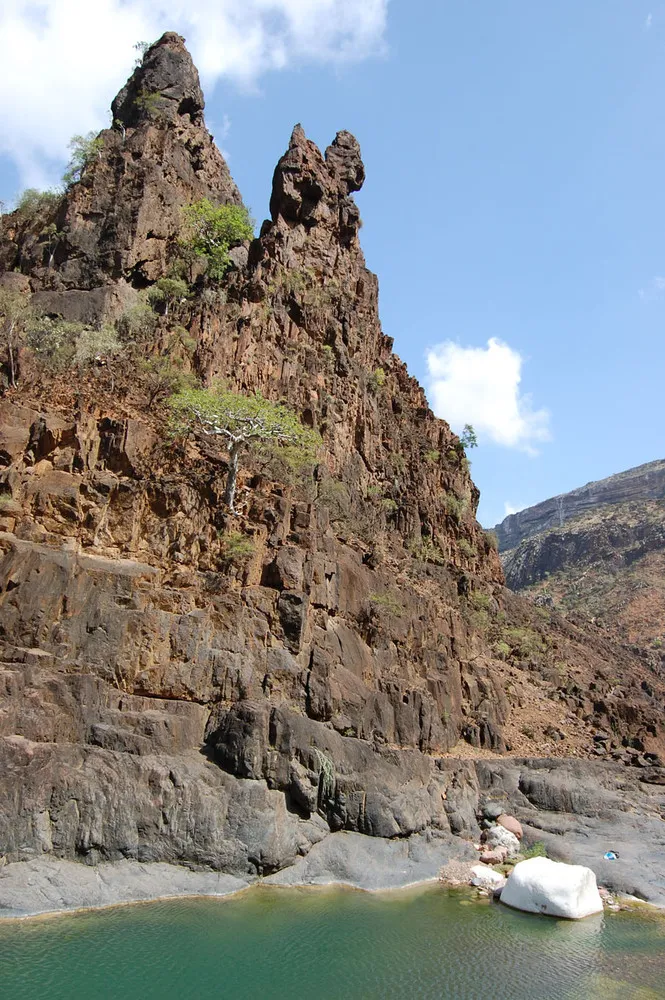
<point>184,682</point>
<point>645,482</point>
<point>604,561</point>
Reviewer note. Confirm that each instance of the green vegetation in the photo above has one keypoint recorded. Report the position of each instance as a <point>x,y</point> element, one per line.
<point>454,506</point>
<point>479,601</point>
<point>523,642</point>
<point>58,343</point>
<point>53,341</point>
<point>237,549</point>
<point>387,602</point>
<point>240,422</point>
<point>376,380</point>
<point>33,202</point>
<point>492,540</point>
<point>168,292</point>
<point>537,850</point>
<point>149,101</point>
<point>210,231</point>
<point>501,649</point>
<point>466,548</point>
<point>468,437</point>
<point>85,149</point>
<point>432,455</point>
<point>14,317</point>
<point>163,377</point>
<point>92,344</point>
<point>137,324</point>
<point>427,551</point>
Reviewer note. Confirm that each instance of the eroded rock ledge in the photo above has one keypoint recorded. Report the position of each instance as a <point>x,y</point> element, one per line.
<point>579,810</point>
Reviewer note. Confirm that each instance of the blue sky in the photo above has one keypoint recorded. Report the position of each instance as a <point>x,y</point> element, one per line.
<point>515,159</point>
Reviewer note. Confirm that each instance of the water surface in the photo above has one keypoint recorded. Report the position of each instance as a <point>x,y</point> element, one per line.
<point>293,944</point>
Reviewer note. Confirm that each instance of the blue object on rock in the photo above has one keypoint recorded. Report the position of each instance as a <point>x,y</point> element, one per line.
<point>611,856</point>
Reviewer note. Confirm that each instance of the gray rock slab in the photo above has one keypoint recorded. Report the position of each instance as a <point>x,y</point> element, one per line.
<point>639,842</point>
<point>48,885</point>
<point>372,862</point>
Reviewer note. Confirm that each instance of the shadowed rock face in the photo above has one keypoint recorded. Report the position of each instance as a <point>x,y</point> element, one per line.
<point>160,700</point>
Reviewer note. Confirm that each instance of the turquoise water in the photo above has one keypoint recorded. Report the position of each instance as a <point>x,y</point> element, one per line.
<point>331,944</point>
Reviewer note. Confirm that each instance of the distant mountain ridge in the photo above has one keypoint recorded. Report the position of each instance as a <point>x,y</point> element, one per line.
<point>644,482</point>
<point>599,552</point>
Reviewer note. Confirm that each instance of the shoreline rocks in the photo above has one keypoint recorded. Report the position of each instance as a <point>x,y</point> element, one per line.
<point>52,885</point>
<point>552,888</point>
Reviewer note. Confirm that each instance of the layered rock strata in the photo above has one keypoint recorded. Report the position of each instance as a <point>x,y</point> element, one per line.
<point>162,700</point>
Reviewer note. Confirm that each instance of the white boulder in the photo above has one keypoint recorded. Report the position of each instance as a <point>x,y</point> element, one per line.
<point>539,885</point>
<point>498,836</point>
<point>486,878</point>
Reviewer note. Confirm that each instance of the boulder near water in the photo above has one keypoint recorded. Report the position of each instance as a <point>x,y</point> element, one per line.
<point>511,824</point>
<point>553,888</point>
<point>486,878</point>
<point>498,836</point>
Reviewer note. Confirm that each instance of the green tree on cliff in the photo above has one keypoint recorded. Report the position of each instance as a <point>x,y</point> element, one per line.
<point>210,231</point>
<point>240,423</point>
<point>468,437</point>
<point>14,317</point>
<point>84,150</point>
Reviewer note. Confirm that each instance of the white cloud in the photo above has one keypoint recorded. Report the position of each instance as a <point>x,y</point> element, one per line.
<point>648,22</point>
<point>509,508</point>
<point>481,386</point>
<point>64,60</point>
<point>654,289</point>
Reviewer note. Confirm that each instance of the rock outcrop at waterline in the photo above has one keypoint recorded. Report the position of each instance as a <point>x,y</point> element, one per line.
<point>164,698</point>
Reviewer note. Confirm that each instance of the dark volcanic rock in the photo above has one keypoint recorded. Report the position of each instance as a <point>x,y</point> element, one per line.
<point>166,82</point>
<point>118,222</point>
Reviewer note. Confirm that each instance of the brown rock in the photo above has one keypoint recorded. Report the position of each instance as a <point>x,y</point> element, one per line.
<point>494,857</point>
<point>511,824</point>
<point>323,684</point>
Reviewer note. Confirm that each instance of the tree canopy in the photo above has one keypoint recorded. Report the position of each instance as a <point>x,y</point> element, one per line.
<point>209,231</point>
<point>84,149</point>
<point>241,422</point>
<point>468,437</point>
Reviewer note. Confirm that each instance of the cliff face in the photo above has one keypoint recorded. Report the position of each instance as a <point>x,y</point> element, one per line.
<point>114,226</point>
<point>606,561</point>
<point>164,697</point>
<point>646,482</point>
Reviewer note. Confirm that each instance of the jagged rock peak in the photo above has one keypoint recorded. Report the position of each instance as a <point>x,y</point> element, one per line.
<point>167,80</point>
<point>309,189</point>
<point>345,162</point>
